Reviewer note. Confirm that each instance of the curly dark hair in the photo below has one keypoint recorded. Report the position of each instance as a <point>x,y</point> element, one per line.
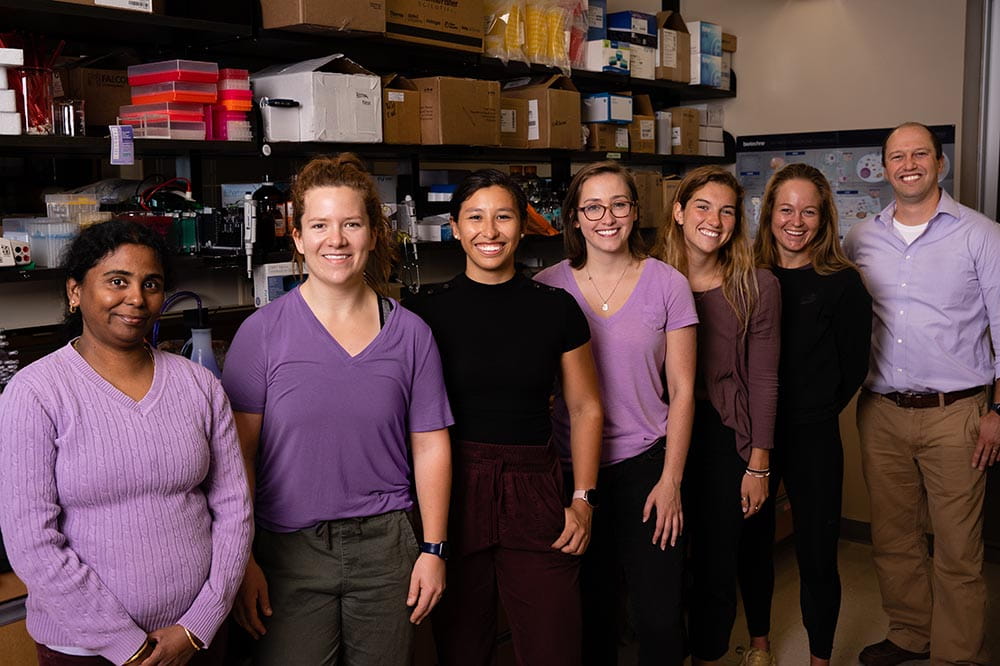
<point>97,241</point>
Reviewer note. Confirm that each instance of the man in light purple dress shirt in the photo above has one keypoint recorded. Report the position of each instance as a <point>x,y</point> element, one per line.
<point>928,415</point>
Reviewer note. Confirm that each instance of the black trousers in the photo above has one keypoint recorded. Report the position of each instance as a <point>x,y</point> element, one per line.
<point>621,547</point>
<point>714,516</point>
<point>810,459</point>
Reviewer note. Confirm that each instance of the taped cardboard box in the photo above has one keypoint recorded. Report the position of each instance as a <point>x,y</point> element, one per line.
<point>684,125</point>
<point>605,138</point>
<point>728,43</point>
<point>400,110</point>
<point>553,110</point>
<point>104,87</point>
<point>459,111</point>
<point>331,98</point>
<point>642,130</point>
<point>673,45</point>
<point>453,24</point>
<point>648,185</point>
<point>513,122</point>
<point>324,16</point>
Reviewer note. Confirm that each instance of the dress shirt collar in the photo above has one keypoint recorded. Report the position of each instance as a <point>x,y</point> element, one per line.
<point>946,205</point>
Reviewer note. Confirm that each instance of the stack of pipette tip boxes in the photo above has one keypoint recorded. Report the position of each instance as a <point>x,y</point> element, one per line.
<point>10,120</point>
<point>169,99</point>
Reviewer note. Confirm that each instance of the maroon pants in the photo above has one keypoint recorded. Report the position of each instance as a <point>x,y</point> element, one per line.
<point>506,511</point>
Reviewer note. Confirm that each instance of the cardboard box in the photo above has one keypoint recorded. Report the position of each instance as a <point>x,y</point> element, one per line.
<point>597,26</point>
<point>146,6</point>
<point>553,110</point>
<point>728,43</point>
<point>453,24</point>
<point>605,55</point>
<point>710,114</point>
<point>636,28</point>
<point>706,38</point>
<point>400,110</point>
<point>338,100</point>
<point>673,44</point>
<point>513,122</point>
<point>664,133</point>
<point>706,70</point>
<point>459,111</point>
<point>706,133</point>
<point>669,187</point>
<point>324,16</point>
<point>684,128</point>
<point>712,148</point>
<point>649,187</point>
<point>605,138</point>
<point>642,62</point>
<point>103,90</point>
<point>607,108</point>
<point>726,80</point>
<point>642,130</point>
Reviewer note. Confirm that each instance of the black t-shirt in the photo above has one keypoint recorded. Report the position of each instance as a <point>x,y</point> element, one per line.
<point>826,325</point>
<point>501,347</point>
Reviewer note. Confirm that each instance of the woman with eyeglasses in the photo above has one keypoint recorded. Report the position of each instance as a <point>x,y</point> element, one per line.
<point>642,320</point>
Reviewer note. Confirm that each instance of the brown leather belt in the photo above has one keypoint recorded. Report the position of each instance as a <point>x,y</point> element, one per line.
<point>925,400</point>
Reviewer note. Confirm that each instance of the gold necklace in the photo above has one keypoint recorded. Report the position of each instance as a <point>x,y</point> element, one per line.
<point>604,301</point>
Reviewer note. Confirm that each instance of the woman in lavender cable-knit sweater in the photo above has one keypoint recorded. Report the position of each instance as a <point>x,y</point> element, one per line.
<point>123,498</point>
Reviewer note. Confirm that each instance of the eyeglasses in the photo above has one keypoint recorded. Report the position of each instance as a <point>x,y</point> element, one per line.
<point>595,212</point>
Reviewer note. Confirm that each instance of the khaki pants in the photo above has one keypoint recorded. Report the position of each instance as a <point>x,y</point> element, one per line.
<point>918,464</point>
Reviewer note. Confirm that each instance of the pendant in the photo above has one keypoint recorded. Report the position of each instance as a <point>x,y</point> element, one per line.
<point>604,307</point>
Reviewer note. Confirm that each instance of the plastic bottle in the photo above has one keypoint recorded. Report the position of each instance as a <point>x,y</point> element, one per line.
<point>270,203</point>
<point>201,343</point>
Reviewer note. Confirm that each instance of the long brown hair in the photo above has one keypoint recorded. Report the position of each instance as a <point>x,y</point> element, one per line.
<point>739,277</point>
<point>825,252</point>
<point>575,245</point>
<point>347,170</point>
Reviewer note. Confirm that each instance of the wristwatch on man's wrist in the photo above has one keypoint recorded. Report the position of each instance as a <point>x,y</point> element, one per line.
<point>440,549</point>
<point>589,496</point>
<point>995,407</point>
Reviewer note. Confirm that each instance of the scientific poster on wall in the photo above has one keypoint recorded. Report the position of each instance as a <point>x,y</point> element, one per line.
<point>851,160</point>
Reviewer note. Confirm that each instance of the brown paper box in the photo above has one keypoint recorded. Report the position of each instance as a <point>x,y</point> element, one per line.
<point>728,42</point>
<point>670,186</point>
<point>157,6</point>
<point>459,111</point>
<point>648,186</point>
<point>672,30</point>
<point>103,90</point>
<point>513,122</point>
<point>642,129</point>
<point>606,137</point>
<point>323,15</point>
<point>553,110</point>
<point>400,110</point>
<point>454,24</point>
<point>684,125</point>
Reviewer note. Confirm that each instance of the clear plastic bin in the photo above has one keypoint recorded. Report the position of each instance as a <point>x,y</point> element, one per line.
<point>175,91</point>
<point>72,207</point>
<point>49,238</point>
<point>173,70</point>
<point>166,129</point>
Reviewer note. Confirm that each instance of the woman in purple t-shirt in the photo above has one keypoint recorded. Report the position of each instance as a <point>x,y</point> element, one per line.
<point>336,391</point>
<point>642,319</point>
<point>736,390</point>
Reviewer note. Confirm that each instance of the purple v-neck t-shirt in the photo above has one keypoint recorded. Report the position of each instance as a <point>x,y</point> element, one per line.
<point>334,440</point>
<point>629,350</point>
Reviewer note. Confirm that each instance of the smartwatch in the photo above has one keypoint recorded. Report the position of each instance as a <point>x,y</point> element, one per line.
<point>589,496</point>
<point>441,549</point>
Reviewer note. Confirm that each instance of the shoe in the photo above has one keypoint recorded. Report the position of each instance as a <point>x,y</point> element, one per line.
<point>756,657</point>
<point>888,653</point>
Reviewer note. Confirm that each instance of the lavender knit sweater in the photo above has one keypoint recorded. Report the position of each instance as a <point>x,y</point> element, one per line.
<point>121,517</point>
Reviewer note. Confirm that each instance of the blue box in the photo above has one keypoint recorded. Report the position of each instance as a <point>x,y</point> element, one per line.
<point>604,55</point>
<point>606,108</point>
<point>706,38</point>
<point>706,70</point>
<point>597,27</point>
<point>632,27</point>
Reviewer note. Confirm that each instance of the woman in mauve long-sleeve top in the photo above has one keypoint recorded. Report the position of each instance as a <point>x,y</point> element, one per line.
<point>123,501</point>
<point>736,391</point>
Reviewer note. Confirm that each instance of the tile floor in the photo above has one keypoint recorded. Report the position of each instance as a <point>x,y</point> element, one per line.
<point>861,618</point>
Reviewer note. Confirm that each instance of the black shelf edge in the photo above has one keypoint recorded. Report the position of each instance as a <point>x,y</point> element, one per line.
<point>66,18</point>
<point>96,146</point>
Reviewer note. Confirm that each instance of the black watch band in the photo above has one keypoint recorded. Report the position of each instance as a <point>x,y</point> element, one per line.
<point>440,549</point>
<point>995,407</point>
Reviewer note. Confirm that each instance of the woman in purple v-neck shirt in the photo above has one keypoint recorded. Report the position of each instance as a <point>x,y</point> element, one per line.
<point>642,318</point>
